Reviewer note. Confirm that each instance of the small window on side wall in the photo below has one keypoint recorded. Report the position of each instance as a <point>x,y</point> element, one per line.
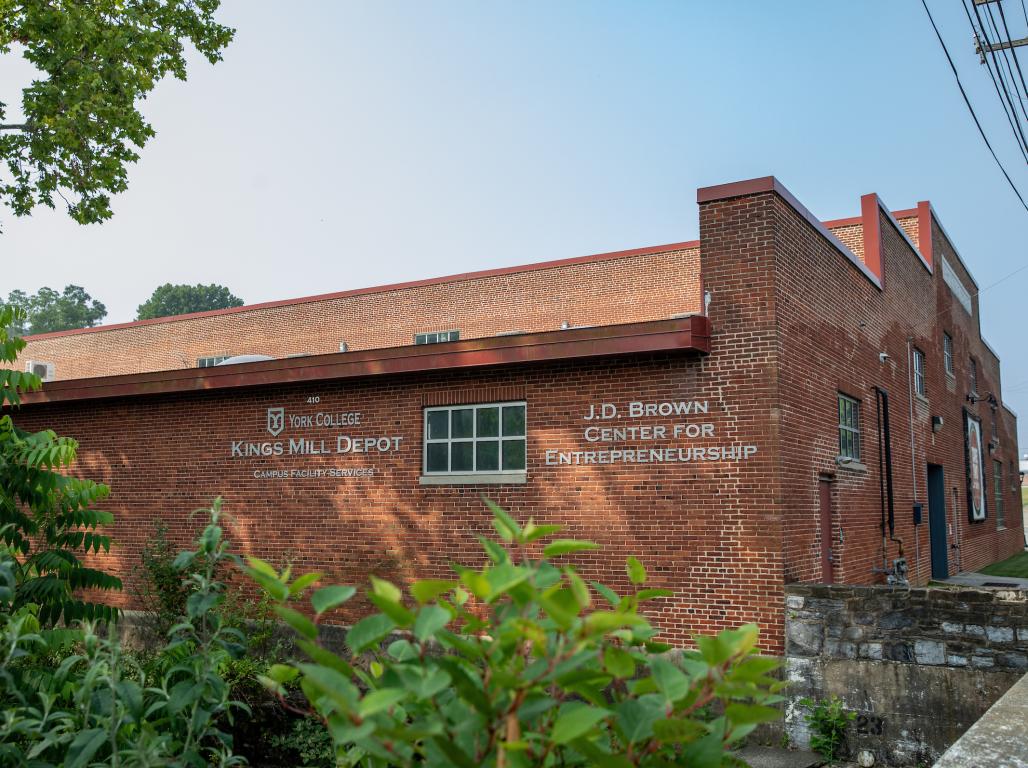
<point>849,428</point>
<point>973,376</point>
<point>919,383</point>
<point>436,337</point>
<point>947,353</point>
<point>210,362</point>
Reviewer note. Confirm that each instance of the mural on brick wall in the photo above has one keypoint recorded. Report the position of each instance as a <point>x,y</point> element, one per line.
<point>975,468</point>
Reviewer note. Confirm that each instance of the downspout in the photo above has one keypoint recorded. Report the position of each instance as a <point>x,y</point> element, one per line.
<point>885,464</point>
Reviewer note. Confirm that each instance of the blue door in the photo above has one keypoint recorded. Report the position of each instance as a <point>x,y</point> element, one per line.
<point>937,522</point>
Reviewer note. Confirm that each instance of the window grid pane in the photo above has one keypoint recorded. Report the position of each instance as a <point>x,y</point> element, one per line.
<point>947,352</point>
<point>475,438</point>
<point>849,428</point>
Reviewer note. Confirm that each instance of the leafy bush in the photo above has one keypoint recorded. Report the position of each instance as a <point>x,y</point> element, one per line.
<point>160,592</point>
<point>95,707</point>
<point>829,721</point>
<point>510,665</point>
<point>46,517</point>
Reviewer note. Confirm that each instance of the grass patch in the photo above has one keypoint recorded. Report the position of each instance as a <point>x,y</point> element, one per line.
<point>1024,495</point>
<point>1015,567</point>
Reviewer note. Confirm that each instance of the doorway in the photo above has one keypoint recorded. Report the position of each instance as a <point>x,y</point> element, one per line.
<point>937,522</point>
<point>825,499</point>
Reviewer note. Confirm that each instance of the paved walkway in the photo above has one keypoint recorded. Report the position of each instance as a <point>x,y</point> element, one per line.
<point>972,579</point>
<point>998,738</point>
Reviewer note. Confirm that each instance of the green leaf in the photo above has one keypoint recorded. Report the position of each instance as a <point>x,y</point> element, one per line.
<point>386,589</point>
<point>636,571</point>
<point>504,523</point>
<point>671,681</point>
<point>427,590</point>
<point>576,720</point>
<point>332,684</point>
<point>578,588</point>
<point>635,717</point>
<point>381,699</point>
<point>368,632</point>
<point>608,594</point>
<point>677,731</point>
<point>282,673</point>
<point>297,621</point>
<point>83,747</point>
<point>533,532</point>
<point>618,662</point>
<point>302,582</point>
<point>430,620</point>
<point>566,546</point>
<point>327,598</point>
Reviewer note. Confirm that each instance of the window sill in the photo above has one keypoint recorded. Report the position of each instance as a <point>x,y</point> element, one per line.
<point>921,398</point>
<point>850,465</point>
<point>476,478</point>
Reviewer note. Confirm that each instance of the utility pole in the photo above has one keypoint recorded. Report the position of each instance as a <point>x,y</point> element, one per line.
<point>981,50</point>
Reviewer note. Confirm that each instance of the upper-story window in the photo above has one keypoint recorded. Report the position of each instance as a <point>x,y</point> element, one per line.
<point>947,353</point>
<point>210,362</point>
<point>474,439</point>
<point>973,376</point>
<point>436,337</point>
<point>849,428</point>
<point>919,384</point>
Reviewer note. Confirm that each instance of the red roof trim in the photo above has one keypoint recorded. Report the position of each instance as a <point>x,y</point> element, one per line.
<point>848,222</point>
<point>499,271</point>
<point>771,184</point>
<point>688,334</point>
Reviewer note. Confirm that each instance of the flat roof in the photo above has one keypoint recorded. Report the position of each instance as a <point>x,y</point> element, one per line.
<point>686,334</point>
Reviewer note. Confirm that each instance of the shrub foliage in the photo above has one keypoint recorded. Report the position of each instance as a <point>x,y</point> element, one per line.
<point>519,663</point>
<point>46,516</point>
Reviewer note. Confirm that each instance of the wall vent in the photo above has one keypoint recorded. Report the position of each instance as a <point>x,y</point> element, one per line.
<point>45,371</point>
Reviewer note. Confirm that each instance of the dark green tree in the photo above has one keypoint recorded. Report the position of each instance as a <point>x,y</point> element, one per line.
<point>47,517</point>
<point>168,300</point>
<point>79,125</point>
<point>47,310</point>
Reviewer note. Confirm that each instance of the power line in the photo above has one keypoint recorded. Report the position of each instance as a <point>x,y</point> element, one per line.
<point>986,45</point>
<point>1013,49</point>
<point>1005,60</point>
<point>967,101</point>
<point>1005,53</point>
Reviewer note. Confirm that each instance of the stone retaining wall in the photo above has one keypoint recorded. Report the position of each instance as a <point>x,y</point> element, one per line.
<point>918,666</point>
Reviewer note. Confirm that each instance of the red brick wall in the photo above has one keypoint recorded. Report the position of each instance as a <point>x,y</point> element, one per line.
<point>693,524</point>
<point>832,324</point>
<point>624,288</point>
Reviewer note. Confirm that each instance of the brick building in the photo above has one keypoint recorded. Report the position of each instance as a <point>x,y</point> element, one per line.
<point>784,400</point>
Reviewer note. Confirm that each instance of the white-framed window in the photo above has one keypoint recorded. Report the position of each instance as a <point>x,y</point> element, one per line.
<point>947,353</point>
<point>919,385</point>
<point>973,376</point>
<point>476,439</point>
<point>436,337</point>
<point>210,362</point>
<point>849,427</point>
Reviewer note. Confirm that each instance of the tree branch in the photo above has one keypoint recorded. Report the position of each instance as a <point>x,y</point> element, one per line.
<point>14,127</point>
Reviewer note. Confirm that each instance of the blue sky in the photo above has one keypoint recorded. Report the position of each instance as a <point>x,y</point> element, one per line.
<point>348,144</point>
